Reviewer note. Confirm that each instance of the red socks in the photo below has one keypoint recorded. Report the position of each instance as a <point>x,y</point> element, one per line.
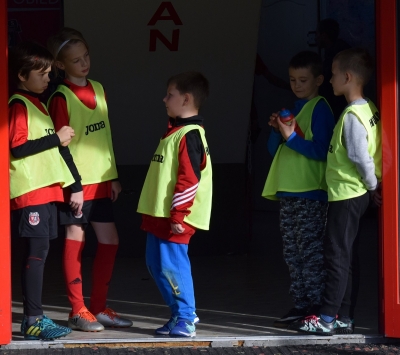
<point>102,270</point>
<point>72,273</point>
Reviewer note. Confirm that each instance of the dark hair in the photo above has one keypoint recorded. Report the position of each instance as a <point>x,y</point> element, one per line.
<point>25,57</point>
<point>330,27</point>
<point>307,59</point>
<point>191,82</point>
<point>356,60</point>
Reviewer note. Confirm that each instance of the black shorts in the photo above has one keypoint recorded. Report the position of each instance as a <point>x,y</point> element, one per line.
<point>99,210</point>
<point>36,221</point>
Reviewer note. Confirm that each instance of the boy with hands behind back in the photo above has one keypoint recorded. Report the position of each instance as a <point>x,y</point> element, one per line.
<point>354,170</point>
<point>176,200</point>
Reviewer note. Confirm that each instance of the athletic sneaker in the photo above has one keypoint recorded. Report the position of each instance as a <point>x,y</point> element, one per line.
<point>167,327</point>
<point>109,318</point>
<point>25,320</point>
<point>196,318</point>
<point>293,315</point>
<point>183,328</point>
<point>314,325</point>
<point>44,329</point>
<point>85,321</point>
<point>344,325</point>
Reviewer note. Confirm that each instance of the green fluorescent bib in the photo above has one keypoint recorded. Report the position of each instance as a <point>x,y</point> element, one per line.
<point>158,189</point>
<point>41,169</point>
<point>291,171</point>
<point>344,181</point>
<point>92,145</point>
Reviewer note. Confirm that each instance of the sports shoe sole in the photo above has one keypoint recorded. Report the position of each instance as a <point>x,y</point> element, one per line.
<point>76,327</point>
<point>183,335</point>
<point>348,330</point>
<point>329,334</point>
<point>31,337</point>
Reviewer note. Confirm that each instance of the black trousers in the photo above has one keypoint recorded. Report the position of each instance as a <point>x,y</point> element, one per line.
<point>340,255</point>
<point>36,250</point>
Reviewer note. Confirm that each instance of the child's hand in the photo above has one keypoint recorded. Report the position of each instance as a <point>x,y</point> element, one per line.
<point>273,121</point>
<point>177,228</point>
<point>76,202</point>
<point>115,190</point>
<point>65,135</point>
<point>66,143</point>
<point>376,195</point>
<point>286,130</point>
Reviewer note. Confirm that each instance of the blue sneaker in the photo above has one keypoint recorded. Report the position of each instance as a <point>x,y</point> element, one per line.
<point>196,318</point>
<point>44,329</point>
<point>183,328</point>
<point>167,327</point>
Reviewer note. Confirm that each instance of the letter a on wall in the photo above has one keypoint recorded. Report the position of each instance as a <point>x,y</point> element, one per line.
<point>172,14</point>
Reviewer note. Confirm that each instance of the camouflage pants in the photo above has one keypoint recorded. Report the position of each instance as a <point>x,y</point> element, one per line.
<point>302,224</point>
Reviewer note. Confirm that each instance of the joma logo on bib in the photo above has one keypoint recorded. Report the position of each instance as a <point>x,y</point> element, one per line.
<point>95,127</point>
<point>50,131</point>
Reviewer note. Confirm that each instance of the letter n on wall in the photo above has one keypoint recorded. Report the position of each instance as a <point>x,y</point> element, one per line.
<point>171,45</point>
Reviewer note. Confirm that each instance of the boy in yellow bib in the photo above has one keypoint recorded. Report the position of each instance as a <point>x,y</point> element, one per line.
<point>354,169</point>
<point>297,179</point>
<point>176,200</point>
<point>40,167</point>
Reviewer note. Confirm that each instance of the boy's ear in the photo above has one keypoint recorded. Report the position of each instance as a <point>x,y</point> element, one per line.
<point>188,98</point>
<point>320,80</point>
<point>22,78</point>
<point>348,76</point>
<point>59,65</point>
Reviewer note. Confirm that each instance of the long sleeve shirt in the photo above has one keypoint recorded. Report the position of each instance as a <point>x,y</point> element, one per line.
<point>322,125</point>
<point>191,160</point>
<point>59,114</point>
<point>356,143</point>
<point>20,147</point>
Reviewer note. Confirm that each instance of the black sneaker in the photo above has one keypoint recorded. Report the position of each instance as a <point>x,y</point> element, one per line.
<point>293,315</point>
<point>314,325</point>
<point>344,325</point>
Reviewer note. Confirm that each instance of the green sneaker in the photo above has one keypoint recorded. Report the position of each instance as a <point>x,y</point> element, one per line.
<point>44,329</point>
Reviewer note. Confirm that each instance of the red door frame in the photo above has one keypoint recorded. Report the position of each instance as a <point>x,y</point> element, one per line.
<point>386,48</point>
<point>5,249</point>
<point>386,30</point>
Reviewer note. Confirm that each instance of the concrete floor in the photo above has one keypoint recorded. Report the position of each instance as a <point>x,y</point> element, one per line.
<point>236,295</point>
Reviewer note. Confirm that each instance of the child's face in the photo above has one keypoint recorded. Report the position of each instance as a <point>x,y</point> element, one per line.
<point>36,82</point>
<point>174,102</point>
<point>76,61</point>
<point>303,83</point>
<point>338,79</point>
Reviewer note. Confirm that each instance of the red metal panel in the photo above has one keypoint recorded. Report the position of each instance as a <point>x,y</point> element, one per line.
<point>386,45</point>
<point>5,254</point>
